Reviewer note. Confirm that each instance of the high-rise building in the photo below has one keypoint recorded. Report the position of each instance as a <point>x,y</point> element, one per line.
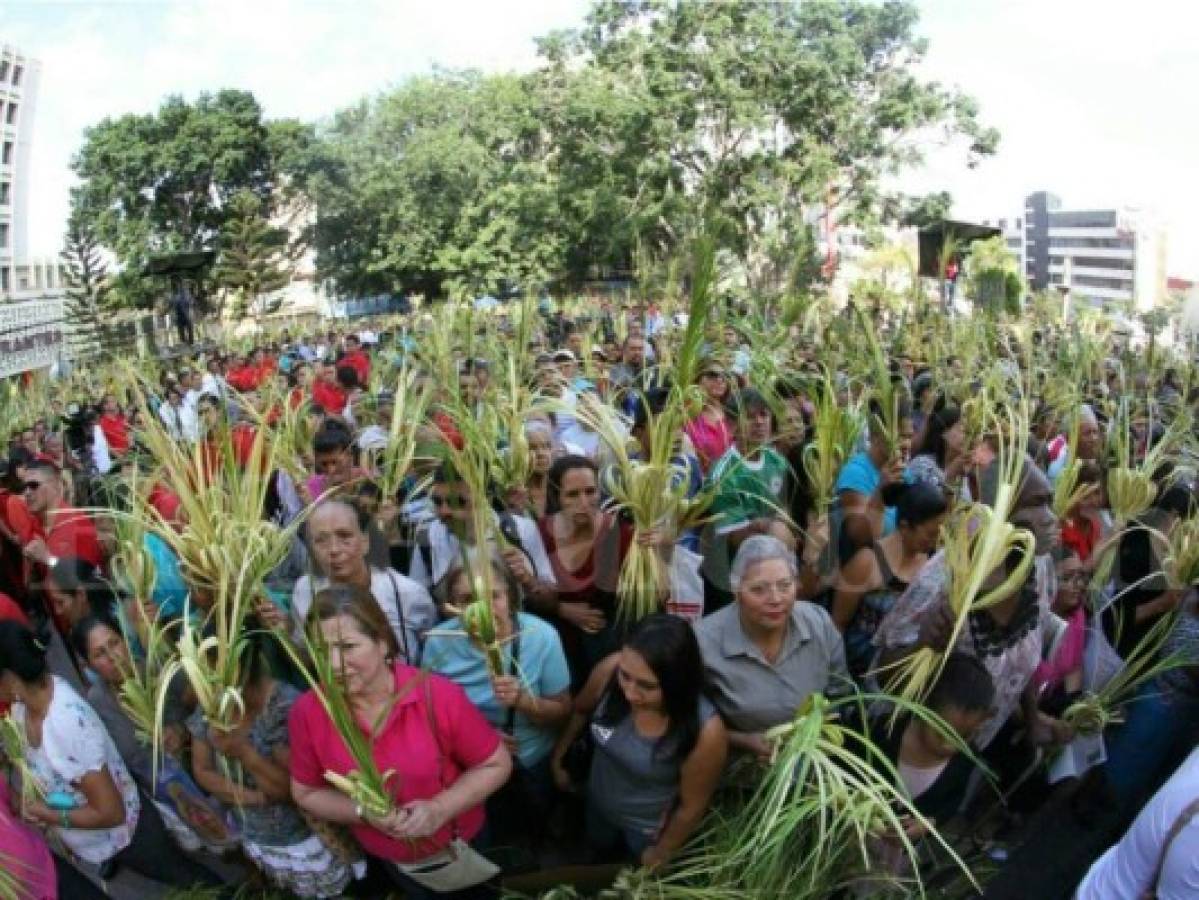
<point>19,78</point>
<point>1105,256</point>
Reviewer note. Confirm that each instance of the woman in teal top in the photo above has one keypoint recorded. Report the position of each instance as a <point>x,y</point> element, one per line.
<point>527,704</point>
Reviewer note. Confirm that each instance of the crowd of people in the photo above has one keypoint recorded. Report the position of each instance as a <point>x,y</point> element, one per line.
<point>581,734</point>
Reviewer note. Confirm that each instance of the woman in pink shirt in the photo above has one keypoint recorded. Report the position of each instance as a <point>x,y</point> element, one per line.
<point>447,759</point>
<point>710,432</point>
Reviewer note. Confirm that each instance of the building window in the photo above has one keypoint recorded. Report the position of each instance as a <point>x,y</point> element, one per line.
<point>10,115</point>
<point>3,235</point>
<point>4,279</point>
<point>3,70</point>
<point>6,157</point>
<point>17,72</point>
<point>5,193</point>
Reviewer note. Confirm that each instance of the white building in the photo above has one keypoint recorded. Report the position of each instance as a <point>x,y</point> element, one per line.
<point>19,78</point>
<point>1111,257</point>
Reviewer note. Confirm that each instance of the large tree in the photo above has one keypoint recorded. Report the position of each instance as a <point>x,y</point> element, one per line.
<point>254,259</point>
<point>440,186</point>
<point>748,115</point>
<point>163,182</point>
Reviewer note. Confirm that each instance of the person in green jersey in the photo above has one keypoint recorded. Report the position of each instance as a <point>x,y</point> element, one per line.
<point>748,480</point>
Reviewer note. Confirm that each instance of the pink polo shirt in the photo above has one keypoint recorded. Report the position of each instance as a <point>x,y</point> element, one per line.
<point>406,745</point>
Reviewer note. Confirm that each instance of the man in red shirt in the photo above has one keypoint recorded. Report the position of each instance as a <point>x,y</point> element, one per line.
<point>327,393</point>
<point>356,359</point>
<point>55,530</point>
<point>114,426</point>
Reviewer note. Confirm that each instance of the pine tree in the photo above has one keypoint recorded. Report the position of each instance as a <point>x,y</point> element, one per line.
<point>87,285</point>
<point>253,257</point>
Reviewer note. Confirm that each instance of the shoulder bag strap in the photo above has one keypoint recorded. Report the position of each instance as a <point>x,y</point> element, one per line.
<point>1184,818</point>
<point>441,754</point>
<point>399,600</point>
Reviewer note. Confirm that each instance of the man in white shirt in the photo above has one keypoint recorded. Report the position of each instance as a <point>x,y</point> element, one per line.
<point>1159,856</point>
<point>525,555</point>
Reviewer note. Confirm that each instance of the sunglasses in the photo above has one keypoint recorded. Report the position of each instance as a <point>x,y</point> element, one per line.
<point>451,502</point>
<point>712,374</point>
<point>31,485</point>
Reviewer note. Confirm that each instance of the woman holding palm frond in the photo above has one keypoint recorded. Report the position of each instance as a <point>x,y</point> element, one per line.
<point>711,432</point>
<point>442,759</point>
<point>521,684</point>
<point>69,753</point>
<point>246,768</point>
<point>586,547</point>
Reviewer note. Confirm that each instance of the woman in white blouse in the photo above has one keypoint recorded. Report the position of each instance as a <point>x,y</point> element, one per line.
<point>100,818</point>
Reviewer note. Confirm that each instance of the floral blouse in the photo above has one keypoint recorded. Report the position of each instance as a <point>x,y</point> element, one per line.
<point>75,744</point>
<point>1010,653</point>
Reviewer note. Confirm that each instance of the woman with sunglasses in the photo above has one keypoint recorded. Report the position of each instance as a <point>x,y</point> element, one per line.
<point>711,432</point>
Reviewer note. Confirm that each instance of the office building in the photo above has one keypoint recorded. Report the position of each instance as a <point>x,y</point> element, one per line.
<point>1107,257</point>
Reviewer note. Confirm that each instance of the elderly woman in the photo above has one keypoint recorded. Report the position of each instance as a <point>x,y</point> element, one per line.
<point>447,760</point>
<point>766,653</point>
<point>529,499</point>
<point>337,533</point>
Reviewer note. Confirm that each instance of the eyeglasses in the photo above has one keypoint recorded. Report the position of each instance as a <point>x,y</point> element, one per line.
<point>451,502</point>
<point>31,486</point>
<point>712,374</point>
<point>763,588</point>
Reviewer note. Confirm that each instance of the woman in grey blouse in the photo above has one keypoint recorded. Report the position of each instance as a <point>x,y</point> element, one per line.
<point>659,744</point>
<point>766,653</point>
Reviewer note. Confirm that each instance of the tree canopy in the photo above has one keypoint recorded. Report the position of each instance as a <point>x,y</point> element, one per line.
<point>753,118</point>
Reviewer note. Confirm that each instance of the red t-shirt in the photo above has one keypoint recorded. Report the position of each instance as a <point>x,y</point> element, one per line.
<point>1081,535</point>
<point>406,745</point>
<point>358,361</point>
<point>242,378</point>
<point>72,533</point>
<point>116,432</point>
<point>329,397</point>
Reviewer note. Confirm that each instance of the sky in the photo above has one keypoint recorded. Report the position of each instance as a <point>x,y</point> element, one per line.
<point>1091,96</point>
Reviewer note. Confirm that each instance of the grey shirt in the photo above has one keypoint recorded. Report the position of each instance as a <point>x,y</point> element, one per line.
<point>753,694</point>
<point>634,780</point>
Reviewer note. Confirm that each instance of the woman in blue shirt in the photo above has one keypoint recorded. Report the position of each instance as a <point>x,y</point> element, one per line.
<point>527,704</point>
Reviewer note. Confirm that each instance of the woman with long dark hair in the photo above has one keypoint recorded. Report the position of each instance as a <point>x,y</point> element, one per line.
<point>659,744</point>
<point>942,456</point>
<point>585,546</point>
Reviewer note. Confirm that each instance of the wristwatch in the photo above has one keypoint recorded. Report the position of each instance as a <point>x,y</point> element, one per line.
<point>51,562</point>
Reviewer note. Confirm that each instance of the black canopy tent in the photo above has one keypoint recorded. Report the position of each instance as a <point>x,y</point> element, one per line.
<point>183,264</point>
<point>933,239</point>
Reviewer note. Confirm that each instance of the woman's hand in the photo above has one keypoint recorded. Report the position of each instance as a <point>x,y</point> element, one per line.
<point>518,565</point>
<point>420,819</point>
<point>507,690</point>
<point>270,615</point>
<point>38,813</point>
<point>583,616</point>
<point>816,541</point>
<point>1046,730</point>
<point>936,629</point>
<point>173,739</point>
<point>230,744</point>
<point>652,857</point>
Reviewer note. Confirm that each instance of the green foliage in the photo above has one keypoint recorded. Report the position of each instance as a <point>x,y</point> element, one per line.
<point>993,277</point>
<point>253,259</point>
<point>164,181</point>
<point>87,286</point>
<point>650,119</point>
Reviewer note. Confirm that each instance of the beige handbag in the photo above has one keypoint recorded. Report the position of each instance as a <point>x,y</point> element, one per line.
<point>459,865</point>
